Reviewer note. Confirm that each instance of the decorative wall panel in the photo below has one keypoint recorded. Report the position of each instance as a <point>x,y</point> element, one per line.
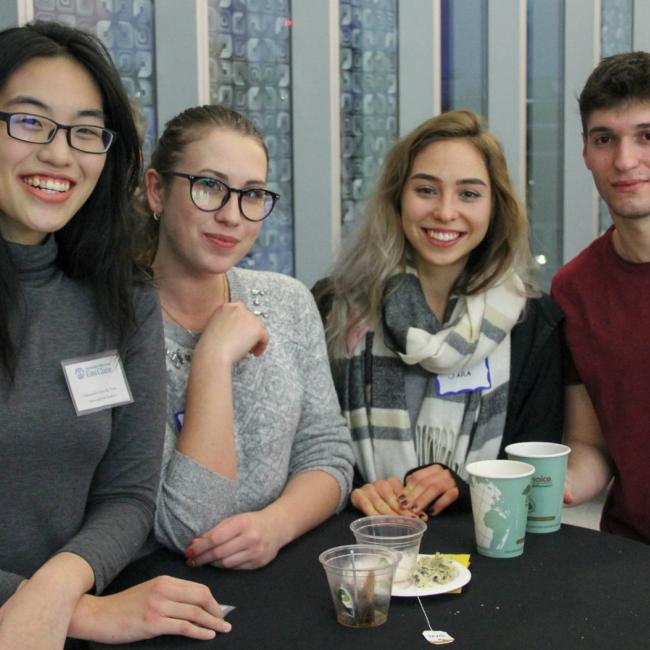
<point>369,98</point>
<point>126,29</point>
<point>250,71</point>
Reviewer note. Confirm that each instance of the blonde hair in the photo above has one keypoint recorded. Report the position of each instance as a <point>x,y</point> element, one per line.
<point>379,248</point>
<point>183,129</point>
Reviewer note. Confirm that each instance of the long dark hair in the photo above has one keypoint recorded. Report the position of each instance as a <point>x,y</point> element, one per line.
<point>94,246</point>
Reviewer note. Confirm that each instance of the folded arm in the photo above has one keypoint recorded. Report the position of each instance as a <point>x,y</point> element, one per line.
<point>250,540</point>
<point>590,465</point>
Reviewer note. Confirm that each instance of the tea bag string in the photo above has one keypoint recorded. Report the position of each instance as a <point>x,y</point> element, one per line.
<point>437,637</point>
<point>354,582</point>
<point>424,612</point>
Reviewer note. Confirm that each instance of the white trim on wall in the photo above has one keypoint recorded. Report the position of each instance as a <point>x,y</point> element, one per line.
<point>316,137</point>
<point>506,56</point>
<point>581,55</point>
<point>641,25</point>
<point>419,43</point>
<point>24,11</point>
<point>181,57</point>
<point>202,52</point>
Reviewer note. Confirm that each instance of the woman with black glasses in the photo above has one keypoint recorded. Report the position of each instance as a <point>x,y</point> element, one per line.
<point>82,380</point>
<point>256,451</point>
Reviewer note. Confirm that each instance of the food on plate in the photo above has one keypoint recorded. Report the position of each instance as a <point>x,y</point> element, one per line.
<point>433,569</point>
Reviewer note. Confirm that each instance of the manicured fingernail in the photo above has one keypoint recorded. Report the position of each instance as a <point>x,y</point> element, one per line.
<point>189,553</point>
<point>226,626</point>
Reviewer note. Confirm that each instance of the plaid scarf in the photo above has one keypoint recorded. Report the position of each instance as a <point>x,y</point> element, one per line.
<point>453,427</point>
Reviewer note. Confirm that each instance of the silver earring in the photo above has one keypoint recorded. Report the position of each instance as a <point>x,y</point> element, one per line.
<point>156,216</point>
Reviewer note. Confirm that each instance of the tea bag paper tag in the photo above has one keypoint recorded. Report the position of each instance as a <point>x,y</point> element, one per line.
<point>437,637</point>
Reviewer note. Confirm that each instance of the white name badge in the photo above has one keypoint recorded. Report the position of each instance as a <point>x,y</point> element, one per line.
<point>96,382</point>
<point>465,381</point>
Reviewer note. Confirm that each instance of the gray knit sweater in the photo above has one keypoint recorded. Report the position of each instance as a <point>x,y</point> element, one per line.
<point>84,484</point>
<point>287,418</point>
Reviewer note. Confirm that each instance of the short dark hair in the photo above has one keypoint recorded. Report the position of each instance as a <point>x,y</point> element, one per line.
<point>94,246</point>
<point>616,80</point>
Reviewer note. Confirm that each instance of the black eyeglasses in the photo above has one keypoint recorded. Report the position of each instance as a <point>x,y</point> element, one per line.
<point>209,194</point>
<point>38,129</point>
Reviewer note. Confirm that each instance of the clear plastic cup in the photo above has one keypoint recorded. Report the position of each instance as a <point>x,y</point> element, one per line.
<point>399,533</point>
<point>360,578</point>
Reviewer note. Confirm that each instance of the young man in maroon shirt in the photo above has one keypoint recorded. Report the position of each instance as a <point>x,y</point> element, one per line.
<point>605,295</point>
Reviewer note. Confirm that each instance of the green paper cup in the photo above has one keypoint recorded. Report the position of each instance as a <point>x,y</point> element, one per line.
<point>550,462</point>
<point>360,577</point>
<point>499,490</point>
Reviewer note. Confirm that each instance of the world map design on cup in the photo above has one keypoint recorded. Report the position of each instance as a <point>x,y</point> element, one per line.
<point>500,491</point>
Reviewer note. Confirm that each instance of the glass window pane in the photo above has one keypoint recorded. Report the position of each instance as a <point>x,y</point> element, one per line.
<point>615,27</point>
<point>126,29</point>
<point>368,42</point>
<point>250,71</point>
<point>545,133</point>
<point>615,37</point>
<point>464,60</point>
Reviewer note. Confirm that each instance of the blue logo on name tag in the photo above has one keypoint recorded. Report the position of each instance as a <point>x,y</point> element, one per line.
<point>178,418</point>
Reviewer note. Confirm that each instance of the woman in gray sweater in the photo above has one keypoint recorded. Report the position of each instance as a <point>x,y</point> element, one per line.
<point>256,451</point>
<point>81,366</point>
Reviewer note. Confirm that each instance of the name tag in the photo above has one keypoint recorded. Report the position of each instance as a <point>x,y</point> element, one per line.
<point>465,381</point>
<point>179,418</point>
<point>96,382</point>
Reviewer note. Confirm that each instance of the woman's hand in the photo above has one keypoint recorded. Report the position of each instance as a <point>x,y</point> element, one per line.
<point>231,333</point>
<point>430,484</point>
<point>163,605</point>
<point>382,498</point>
<point>245,541</point>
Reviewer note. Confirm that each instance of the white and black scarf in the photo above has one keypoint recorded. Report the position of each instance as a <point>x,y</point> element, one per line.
<point>453,429</point>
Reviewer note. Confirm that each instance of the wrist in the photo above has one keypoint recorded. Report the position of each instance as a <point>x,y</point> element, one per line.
<point>67,575</point>
<point>210,352</point>
<point>84,618</point>
<point>279,523</point>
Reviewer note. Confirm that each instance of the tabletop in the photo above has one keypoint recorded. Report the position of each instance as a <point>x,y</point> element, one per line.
<point>576,588</point>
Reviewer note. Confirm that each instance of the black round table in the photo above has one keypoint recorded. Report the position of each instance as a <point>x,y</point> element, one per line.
<point>576,588</point>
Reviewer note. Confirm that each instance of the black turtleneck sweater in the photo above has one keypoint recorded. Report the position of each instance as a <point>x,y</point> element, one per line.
<point>83,484</point>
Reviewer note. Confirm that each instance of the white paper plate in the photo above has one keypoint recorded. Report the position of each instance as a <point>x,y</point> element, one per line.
<point>463,576</point>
